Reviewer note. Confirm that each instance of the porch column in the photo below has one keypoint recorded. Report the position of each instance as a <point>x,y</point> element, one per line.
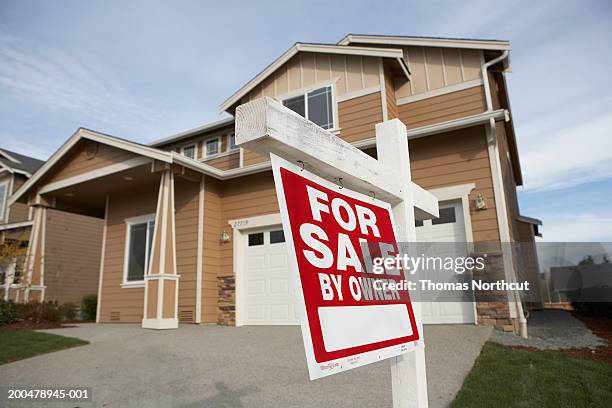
<point>161,280</point>
<point>33,279</point>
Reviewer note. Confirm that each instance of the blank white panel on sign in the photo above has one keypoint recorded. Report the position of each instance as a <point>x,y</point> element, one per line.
<point>351,326</point>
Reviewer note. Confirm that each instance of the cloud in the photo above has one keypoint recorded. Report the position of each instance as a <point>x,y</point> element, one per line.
<point>63,82</point>
<point>579,227</point>
<point>557,154</point>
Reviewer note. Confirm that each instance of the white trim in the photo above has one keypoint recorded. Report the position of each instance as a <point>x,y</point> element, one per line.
<point>8,156</point>
<point>43,241</point>
<point>383,90</point>
<point>440,91</point>
<point>193,132</point>
<point>21,224</point>
<point>425,42</point>
<point>299,47</point>
<point>4,200</point>
<point>200,250</point>
<point>125,283</point>
<point>160,324</point>
<point>239,227</point>
<point>90,175</point>
<point>7,210</point>
<point>356,94</point>
<point>459,192</point>
<point>102,254</point>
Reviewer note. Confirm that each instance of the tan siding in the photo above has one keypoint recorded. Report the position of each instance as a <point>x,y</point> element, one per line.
<point>392,111</point>
<point>308,70</point>
<point>435,68</point>
<point>127,301</point>
<point>72,256</point>
<point>453,158</point>
<point>18,211</point>
<point>212,249</point>
<point>186,215</point>
<point>226,162</point>
<point>358,116</point>
<point>78,162</point>
<point>443,108</point>
<point>250,158</point>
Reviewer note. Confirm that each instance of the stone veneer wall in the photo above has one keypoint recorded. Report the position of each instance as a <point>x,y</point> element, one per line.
<point>226,286</point>
<point>492,306</point>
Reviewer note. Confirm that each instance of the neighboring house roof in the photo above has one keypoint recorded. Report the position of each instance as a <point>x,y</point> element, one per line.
<point>208,127</point>
<point>403,40</point>
<point>18,162</point>
<point>395,54</point>
<point>529,220</point>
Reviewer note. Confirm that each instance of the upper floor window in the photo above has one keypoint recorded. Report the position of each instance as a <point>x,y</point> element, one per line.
<point>211,147</point>
<point>138,247</point>
<point>232,142</point>
<point>189,151</point>
<point>3,196</point>
<point>315,106</point>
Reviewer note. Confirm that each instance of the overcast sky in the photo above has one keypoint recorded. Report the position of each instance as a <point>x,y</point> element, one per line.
<point>147,69</point>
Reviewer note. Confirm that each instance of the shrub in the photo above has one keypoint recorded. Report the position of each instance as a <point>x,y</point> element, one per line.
<point>89,305</point>
<point>68,311</point>
<point>50,312</point>
<point>8,312</point>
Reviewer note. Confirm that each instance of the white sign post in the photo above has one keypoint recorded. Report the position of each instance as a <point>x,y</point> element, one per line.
<point>266,126</point>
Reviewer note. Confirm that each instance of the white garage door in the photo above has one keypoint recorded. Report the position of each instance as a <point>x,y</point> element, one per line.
<point>269,297</point>
<point>449,227</point>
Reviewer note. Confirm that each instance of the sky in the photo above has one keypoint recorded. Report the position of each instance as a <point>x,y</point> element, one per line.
<point>143,70</point>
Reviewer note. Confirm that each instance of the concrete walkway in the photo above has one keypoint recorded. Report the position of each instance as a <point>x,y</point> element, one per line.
<point>552,330</point>
<point>211,366</point>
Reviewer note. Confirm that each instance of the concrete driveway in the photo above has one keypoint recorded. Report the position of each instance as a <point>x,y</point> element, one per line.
<point>212,366</point>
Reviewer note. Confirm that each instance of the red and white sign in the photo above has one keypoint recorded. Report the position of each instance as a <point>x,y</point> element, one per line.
<point>346,321</point>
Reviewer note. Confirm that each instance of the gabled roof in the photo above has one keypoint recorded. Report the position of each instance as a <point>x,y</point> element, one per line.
<point>395,54</point>
<point>403,40</point>
<point>15,162</point>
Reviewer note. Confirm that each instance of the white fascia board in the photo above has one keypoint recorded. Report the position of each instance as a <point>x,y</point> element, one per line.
<point>191,132</point>
<point>299,47</point>
<point>16,225</point>
<point>426,42</point>
<point>8,156</point>
<point>529,220</point>
<point>91,135</point>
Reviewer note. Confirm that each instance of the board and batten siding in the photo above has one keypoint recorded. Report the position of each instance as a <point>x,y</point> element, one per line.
<point>72,256</point>
<point>442,108</point>
<point>435,68</point>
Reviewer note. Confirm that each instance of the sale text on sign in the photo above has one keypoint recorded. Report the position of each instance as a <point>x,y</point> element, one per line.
<point>332,235</point>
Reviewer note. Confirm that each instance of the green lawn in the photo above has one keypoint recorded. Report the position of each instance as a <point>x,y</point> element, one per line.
<point>507,377</point>
<point>17,345</point>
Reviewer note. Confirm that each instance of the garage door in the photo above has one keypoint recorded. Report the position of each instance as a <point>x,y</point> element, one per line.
<point>269,297</point>
<point>449,227</point>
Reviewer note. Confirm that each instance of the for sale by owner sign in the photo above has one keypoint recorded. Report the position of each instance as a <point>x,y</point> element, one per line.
<point>332,235</point>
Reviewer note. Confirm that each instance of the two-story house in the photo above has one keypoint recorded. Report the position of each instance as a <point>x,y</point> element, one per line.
<point>191,225</point>
<point>71,243</point>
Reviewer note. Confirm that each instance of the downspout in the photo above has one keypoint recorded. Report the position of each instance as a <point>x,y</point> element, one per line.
<point>504,232</point>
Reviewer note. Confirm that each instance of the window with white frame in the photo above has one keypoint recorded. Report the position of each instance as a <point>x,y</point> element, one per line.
<point>189,151</point>
<point>138,247</point>
<point>3,196</point>
<point>231,142</point>
<point>211,147</point>
<point>315,106</point>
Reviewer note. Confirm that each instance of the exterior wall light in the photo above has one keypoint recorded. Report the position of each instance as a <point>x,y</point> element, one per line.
<point>225,236</point>
<point>481,203</point>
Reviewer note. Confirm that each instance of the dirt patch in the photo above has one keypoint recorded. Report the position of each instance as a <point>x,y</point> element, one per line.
<point>601,327</point>
<point>29,325</point>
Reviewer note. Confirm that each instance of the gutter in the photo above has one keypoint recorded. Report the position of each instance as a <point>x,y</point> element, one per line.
<point>500,200</point>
